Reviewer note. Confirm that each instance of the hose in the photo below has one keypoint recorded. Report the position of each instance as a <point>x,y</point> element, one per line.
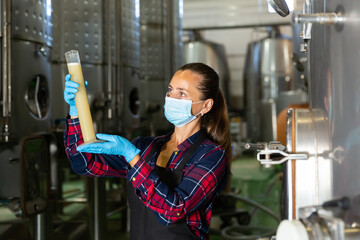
<point>258,205</point>
<point>229,232</point>
<point>236,232</point>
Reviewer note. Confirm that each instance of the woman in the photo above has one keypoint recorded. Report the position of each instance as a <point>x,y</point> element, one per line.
<point>173,179</point>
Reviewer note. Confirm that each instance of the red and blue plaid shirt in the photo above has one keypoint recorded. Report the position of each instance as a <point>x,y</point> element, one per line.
<point>205,176</point>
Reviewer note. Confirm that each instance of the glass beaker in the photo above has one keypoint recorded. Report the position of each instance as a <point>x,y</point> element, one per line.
<point>82,105</point>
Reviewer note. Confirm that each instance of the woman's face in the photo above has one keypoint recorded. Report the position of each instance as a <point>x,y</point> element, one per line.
<point>184,85</point>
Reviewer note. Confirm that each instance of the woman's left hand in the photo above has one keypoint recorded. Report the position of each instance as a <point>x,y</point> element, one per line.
<point>114,145</point>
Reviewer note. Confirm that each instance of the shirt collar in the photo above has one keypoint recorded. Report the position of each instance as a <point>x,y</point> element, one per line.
<point>182,146</point>
<point>188,142</point>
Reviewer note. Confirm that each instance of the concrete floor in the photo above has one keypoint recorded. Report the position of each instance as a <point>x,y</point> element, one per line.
<point>249,179</point>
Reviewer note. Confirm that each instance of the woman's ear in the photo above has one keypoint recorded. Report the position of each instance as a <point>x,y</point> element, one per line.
<point>208,103</point>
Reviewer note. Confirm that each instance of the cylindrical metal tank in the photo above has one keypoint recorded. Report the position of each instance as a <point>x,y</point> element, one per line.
<point>77,26</point>
<point>30,75</point>
<point>335,88</point>
<point>269,84</point>
<point>276,75</point>
<point>161,56</point>
<point>212,54</point>
<point>34,37</point>
<point>251,92</point>
<point>329,131</point>
<point>26,91</point>
<point>26,77</point>
<point>107,36</point>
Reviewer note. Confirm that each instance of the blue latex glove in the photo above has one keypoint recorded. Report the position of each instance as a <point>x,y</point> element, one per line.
<point>71,88</point>
<point>114,145</point>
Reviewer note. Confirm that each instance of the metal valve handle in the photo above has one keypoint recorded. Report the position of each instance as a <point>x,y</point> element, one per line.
<point>274,153</point>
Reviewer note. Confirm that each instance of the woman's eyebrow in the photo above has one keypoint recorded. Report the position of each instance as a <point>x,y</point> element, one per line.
<point>178,88</point>
<point>182,89</point>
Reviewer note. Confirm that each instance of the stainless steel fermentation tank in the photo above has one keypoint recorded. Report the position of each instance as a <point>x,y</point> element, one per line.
<point>322,189</point>
<point>26,95</point>
<point>270,85</point>
<point>107,36</point>
<point>213,54</point>
<point>34,37</point>
<point>161,55</point>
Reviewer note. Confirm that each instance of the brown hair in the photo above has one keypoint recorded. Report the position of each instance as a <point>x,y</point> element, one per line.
<point>216,121</point>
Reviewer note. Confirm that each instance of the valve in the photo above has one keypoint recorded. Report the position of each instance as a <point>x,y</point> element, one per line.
<point>274,153</point>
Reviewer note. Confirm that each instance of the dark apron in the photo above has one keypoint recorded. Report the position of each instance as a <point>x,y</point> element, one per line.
<point>143,222</point>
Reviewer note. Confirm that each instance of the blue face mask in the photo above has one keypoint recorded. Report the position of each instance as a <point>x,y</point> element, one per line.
<point>178,111</point>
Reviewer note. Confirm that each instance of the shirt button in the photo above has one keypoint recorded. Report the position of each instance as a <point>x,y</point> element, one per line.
<point>133,179</point>
<point>176,152</point>
<point>178,214</point>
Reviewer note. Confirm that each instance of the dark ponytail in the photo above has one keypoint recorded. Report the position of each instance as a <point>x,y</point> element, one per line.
<point>216,121</point>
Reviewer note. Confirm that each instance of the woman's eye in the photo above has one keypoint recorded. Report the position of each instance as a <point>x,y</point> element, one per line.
<point>182,94</point>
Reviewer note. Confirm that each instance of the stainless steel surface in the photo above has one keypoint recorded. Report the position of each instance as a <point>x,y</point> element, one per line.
<point>161,31</point>
<point>335,89</point>
<point>177,45</point>
<point>280,6</point>
<point>131,100</point>
<point>152,39</point>
<point>37,96</point>
<point>40,227</point>
<point>288,201</point>
<point>252,94</point>
<point>276,62</point>
<point>130,32</point>
<point>161,56</point>
<point>330,129</point>
<point>26,86</point>
<point>212,54</point>
<point>291,97</point>
<point>35,175</point>
<point>320,18</point>
<point>270,84</point>
<point>33,67</point>
<point>109,50</point>
<point>23,84</point>
<point>308,18</point>
<point>107,35</point>
<point>313,178</point>
<point>161,45</point>
<point>276,76</point>
<point>99,213</point>
<point>78,25</point>
<point>10,169</point>
<point>32,21</point>
<point>6,71</point>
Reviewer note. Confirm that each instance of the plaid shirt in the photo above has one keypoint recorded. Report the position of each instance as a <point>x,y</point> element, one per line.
<point>205,176</point>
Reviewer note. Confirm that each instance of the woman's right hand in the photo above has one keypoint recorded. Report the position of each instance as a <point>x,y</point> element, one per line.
<point>71,88</point>
<point>69,94</point>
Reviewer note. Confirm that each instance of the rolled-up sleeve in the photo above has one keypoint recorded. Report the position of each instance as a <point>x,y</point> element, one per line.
<point>97,165</point>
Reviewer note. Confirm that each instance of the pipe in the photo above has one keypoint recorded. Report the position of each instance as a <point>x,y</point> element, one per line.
<point>119,54</point>
<point>256,25</point>
<point>97,206</point>
<point>321,18</point>
<point>6,80</point>
<point>40,227</point>
<point>109,62</point>
<point>169,59</point>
